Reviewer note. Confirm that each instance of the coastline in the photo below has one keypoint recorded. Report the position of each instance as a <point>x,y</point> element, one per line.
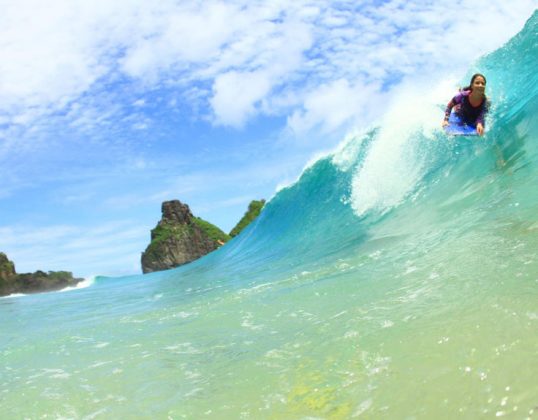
<point>82,284</point>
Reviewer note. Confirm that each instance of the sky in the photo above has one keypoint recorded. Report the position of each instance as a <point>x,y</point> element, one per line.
<point>107,109</point>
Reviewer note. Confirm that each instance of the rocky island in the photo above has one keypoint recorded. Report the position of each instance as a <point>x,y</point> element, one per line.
<point>180,237</point>
<point>254,210</point>
<point>11,282</point>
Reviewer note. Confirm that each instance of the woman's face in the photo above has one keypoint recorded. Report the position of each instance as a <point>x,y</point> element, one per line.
<point>479,84</point>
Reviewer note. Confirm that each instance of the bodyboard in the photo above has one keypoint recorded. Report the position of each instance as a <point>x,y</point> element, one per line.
<point>456,127</point>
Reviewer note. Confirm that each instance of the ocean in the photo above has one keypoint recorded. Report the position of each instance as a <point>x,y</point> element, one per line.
<point>396,279</point>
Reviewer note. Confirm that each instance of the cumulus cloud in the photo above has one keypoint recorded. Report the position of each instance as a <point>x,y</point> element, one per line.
<point>47,54</point>
<point>275,55</point>
<point>252,57</point>
<point>180,35</point>
<point>236,94</point>
<point>332,105</point>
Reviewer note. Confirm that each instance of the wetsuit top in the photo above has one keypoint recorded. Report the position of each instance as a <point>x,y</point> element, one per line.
<point>471,115</point>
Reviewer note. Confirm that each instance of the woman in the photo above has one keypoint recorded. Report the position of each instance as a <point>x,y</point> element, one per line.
<point>471,104</point>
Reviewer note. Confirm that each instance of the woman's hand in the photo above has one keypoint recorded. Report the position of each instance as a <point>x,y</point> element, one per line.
<point>444,124</point>
<point>479,129</point>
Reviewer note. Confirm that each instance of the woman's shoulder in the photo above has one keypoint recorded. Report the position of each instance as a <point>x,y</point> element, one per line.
<point>460,95</point>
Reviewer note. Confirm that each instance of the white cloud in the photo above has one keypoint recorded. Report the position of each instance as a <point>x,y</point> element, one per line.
<point>140,126</point>
<point>252,54</point>
<point>332,105</point>
<point>179,35</point>
<point>236,94</point>
<point>276,53</point>
<point>46,54</point>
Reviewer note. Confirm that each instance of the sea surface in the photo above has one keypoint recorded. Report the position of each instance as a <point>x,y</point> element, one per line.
<point>396,279</point>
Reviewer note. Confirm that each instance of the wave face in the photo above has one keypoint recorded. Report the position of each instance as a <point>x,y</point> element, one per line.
<point>397,278</point>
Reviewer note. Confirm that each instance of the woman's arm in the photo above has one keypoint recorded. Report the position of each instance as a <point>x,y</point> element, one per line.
<point>482,116</point>
<point>453,102</point>
<point>480,120</point>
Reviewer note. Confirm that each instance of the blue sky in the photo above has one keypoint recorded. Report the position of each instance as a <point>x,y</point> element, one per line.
<point>109,108</point>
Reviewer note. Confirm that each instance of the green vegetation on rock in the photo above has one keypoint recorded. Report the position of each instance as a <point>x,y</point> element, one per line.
<point>11,282</point>
<point>180,238</point>
<point>7,272</point>
<point>212,231</point>
<point>254,210</point>
<point>53,280</point>
<point>167,230</point>
<point>159,234</point>
<point>7,268</point>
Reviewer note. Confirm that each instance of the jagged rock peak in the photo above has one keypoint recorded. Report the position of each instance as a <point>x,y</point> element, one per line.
<point>177,212</point>
<point>179,238</point>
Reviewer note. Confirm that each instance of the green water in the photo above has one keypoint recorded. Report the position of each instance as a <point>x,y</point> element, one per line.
<point>422,325</point>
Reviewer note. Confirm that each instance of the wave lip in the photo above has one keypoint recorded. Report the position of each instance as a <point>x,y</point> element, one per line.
<point>80,285</point>
<point>13,295</point>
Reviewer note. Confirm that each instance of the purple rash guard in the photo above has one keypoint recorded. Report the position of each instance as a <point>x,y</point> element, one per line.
<point>469,114</point>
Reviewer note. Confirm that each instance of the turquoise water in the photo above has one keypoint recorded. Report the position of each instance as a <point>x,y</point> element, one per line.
<point>398,278</point>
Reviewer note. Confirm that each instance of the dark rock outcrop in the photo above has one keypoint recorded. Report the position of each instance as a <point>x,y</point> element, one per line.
<point>11,282</point>
<point>179,238</point>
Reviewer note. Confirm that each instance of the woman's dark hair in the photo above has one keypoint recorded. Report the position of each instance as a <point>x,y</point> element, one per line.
<point>472,80</point>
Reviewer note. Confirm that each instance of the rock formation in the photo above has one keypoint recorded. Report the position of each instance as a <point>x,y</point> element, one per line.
<point>254,210</point>
<point>11,282</point>
<point>179,238</point>
<point>7,268</point>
